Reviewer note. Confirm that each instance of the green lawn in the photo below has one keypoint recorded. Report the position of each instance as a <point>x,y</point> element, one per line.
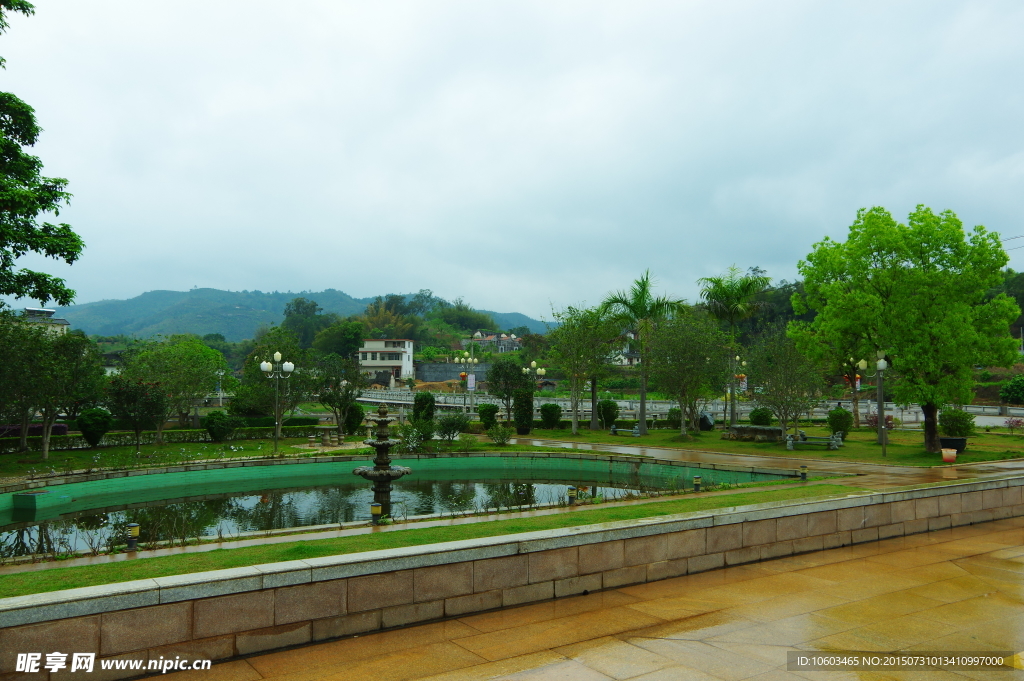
<point>54,579</point>
<point>905,448</point>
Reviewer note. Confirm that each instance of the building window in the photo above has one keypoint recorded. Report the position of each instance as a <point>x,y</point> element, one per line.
<point>373,356</point>
<point>363,356</point>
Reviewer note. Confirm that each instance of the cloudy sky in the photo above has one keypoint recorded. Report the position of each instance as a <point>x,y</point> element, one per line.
<point>519,154</point>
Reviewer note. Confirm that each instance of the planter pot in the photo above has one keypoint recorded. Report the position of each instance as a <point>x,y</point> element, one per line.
<point>948,456</point>
<point>522,430</point>
<point>957,443</point>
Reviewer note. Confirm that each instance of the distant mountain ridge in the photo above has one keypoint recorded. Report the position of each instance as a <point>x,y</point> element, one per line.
<point>236,314</point>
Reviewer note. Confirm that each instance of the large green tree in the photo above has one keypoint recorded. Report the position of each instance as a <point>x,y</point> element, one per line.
<point>304,319</point>
<point>256,395</point>
<point>638,311</point>
<point>732,298</point>
<point>25,196</point>
<point>342,338</point>
<point>920,292</point>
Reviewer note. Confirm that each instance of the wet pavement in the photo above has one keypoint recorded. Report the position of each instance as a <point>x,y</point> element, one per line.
<point>950,590</point>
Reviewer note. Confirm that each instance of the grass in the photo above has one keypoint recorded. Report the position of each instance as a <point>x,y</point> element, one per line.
<point>54,579</point>
<point>905,447</point>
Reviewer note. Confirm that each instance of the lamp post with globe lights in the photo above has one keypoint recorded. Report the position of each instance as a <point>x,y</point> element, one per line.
<point>880,366</point>
<point>276,371</point>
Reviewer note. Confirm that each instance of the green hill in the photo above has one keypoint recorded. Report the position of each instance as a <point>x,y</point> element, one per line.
<point>236,314</point>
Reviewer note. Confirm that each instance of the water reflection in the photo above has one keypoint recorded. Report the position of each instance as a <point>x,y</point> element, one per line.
<point>183,521</point>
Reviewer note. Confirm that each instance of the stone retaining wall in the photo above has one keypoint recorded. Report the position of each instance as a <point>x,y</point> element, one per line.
<point>222,614</point>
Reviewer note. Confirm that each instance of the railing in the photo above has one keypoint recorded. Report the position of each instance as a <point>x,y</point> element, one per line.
<point>658,409</point>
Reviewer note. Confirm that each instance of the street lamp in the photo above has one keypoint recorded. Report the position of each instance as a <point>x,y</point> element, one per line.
<point>732,405</point>
<point>880,366</point>
<point>277,371</point>
<point>220,388</point>
<point>469,362</point>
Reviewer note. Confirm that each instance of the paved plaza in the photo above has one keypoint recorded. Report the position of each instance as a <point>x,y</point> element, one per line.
<point>958,589</point>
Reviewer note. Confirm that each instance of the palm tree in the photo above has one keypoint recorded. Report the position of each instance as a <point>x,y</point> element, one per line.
<point>730,298</point>
<point>639,311</point>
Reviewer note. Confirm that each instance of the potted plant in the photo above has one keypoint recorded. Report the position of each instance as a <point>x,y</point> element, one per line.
<point>956,426</point>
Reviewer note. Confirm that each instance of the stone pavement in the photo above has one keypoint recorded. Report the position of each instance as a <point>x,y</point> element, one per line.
<point>959,589</point>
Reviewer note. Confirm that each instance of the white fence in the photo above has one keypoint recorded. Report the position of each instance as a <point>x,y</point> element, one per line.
<point>658,409</point>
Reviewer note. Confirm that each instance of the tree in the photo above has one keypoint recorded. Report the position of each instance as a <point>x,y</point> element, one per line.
<point>27,196</point>
<point>186,369</point>
<point>460,315</point>
<point>22,344</point>
<point>785,380</point>
<point>639,311</point>
<point>836,347</point>
<point>302,317</point>
<point>339,386</point>
<point>343,339</point>
<point>580,347</point>
<point>732,298</point>
<point>921,293</point>
<point>137,402</point>
<point>67,371</point>
<point>690,360</point>
<point>503,379</point>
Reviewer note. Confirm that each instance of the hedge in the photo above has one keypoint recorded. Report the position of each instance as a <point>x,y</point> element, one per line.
<point>121,439</point>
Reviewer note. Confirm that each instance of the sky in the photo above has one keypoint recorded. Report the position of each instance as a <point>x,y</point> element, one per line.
<point>522,155</point>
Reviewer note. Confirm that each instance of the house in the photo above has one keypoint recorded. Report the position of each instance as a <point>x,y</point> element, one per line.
<point>37,315</point>
<point>493,342</point>
<point>393,355</point>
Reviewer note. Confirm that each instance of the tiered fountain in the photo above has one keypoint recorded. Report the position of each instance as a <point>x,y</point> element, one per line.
<point>382,472</point>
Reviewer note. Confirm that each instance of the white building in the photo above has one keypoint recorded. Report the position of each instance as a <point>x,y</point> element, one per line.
<point>387,354</point>
<point>45,318</point>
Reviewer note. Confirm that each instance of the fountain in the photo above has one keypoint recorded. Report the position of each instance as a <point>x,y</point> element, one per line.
<point>382,473</point>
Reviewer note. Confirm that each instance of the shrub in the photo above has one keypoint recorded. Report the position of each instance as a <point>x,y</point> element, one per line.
<point>451,425</point>
<point>1012,391</point>
<point>550,416</point>
<point>522,410</point>
<point>415,435</point>
<point>674,419</point>
<point>500,434</point>
<point>220,426</point>
<point>761,416</point>
<point>467,442</point>
<point>985,376</point>
<point>354,418</point>
<point>840,421</point>
<point>423,407</point>
<point>488,415</point>
<point>956,423</point>
<point>94,424</point>
<point>1013,424</point>
<point>871,421</point>
<point>608,412</point>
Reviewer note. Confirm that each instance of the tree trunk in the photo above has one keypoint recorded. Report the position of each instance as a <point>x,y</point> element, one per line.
<point>856,406</point>
<point>931,428</point>
<point>643,401</point>
<point>594,425</point>
<point>26,421</point>
<point>47,429</point>
<point>574,405</point>
<point>160,423</point>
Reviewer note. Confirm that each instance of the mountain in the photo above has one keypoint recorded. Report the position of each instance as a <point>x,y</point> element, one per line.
<point>235,314</point>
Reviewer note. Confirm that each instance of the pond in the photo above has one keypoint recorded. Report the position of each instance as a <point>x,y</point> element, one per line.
<point>226,502</point>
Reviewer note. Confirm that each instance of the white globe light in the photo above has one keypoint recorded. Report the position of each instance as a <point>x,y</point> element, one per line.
<point>287,367</point>
<point>533,365</point>
<point>266,366</point>
<point>277,356</point>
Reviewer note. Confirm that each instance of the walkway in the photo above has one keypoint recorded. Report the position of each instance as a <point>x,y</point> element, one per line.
<point>871,476</point>
<point>950,590</point>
